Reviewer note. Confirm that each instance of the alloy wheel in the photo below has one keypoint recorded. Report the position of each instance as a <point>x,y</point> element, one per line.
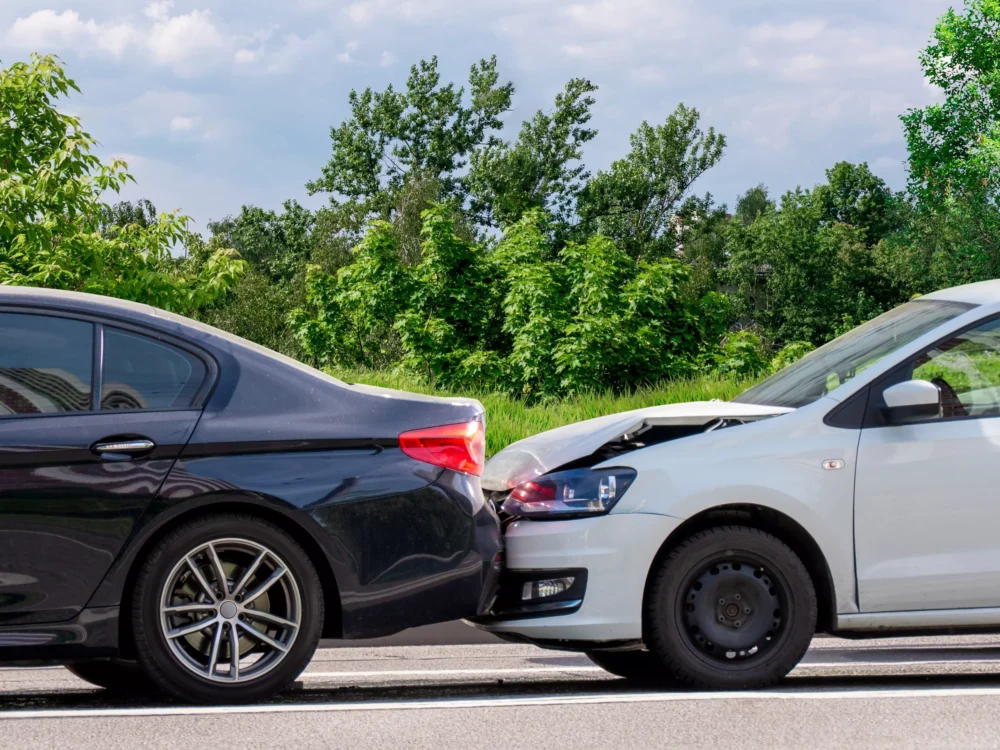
<point>230,610</point>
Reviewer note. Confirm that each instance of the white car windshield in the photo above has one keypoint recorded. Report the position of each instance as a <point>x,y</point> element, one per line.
<point>833,364</point>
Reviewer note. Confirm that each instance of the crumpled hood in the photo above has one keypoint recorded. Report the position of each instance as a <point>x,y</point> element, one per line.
<point>539,454</point>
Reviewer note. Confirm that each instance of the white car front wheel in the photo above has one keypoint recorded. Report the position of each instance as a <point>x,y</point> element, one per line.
<point>731,607</point>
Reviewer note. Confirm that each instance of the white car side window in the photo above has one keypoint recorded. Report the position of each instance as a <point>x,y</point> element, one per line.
<point>967,370</point>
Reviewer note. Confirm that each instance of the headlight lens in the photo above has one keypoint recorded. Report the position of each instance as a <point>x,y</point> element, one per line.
<point>562,494</point>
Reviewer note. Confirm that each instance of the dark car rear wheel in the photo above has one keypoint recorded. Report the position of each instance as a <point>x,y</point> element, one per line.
<point>731,607</point>
<point>636,666</point>
<point>228,608</point>
<point>115,676</point>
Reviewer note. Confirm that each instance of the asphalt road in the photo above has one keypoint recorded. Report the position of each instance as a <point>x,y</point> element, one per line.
<point>927,693</point>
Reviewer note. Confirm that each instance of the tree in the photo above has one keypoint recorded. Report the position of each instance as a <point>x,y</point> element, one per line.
<point>53,228</point>
<point>802,273</point>
<point>142,212</point>
<point>954,145</point>
<point>426,133</point>
<point>520,316</point>
<point>752,204</point>
<point>699,231</point>
<point>447,327</point>
<point>541,169</point>
<point>277,245</point>
<point>633,202</point>
<point>348,318</point>
<point>853,195</point>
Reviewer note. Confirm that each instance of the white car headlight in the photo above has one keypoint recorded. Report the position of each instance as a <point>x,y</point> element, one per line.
<point>568,494</point>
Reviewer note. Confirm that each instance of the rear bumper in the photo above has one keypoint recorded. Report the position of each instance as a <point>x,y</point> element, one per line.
<point>426,557</point>
<point>616,551</point>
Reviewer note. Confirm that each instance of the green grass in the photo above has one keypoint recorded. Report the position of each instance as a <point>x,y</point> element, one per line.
<point>509,419</point>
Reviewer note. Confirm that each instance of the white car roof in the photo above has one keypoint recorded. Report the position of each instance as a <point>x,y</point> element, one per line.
<point>980,293</point>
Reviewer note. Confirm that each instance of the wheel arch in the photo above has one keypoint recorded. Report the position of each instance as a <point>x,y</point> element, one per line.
<point>332,626</point>
<point>774,522</point>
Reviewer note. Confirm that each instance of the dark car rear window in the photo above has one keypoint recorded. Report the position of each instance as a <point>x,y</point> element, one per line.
<point>143,373</point>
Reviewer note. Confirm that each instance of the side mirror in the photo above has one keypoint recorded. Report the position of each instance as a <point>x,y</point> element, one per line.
<point>912,401</point>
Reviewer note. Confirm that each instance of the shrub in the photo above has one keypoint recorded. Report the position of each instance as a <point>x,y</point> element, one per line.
<point>538,322</point>
<point>790,353</point>
<point>742,355</point>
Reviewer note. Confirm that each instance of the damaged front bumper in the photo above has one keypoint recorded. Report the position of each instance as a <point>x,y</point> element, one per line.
<point>604,603</point>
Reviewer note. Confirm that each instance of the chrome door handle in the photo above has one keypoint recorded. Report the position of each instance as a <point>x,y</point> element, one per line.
<point>128,447</point>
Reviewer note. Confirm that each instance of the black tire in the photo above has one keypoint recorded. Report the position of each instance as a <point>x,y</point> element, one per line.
<point>115,676</point>
<point>641,667</point>
<point>731,607</point>
<point>153,650</point>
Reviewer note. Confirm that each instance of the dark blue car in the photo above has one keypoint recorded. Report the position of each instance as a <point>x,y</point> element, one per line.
<point>183,509</point>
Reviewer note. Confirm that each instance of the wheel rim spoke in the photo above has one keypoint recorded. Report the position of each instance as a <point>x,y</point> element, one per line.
<point>213,658</point>
<point>220,572</point>
<point>180,609</point>
<point>259,614</point>
<point>200,577</point>
<point>249,573</point>
<point>234,655</point>
<point>194,627</point>
<point>257,592</point>
<point>263,637</point>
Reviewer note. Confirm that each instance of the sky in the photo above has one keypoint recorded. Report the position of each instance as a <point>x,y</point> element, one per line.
<point>220,103</point>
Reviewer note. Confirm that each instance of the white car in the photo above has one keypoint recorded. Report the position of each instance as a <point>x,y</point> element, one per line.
<point>856,492</point>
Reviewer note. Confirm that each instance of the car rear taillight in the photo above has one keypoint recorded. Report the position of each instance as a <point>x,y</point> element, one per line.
<point>460,447</point>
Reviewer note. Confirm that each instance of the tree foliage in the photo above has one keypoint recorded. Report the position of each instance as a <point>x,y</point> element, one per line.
<point>808,268</point>
<point>542,169</point>
<point>523,317</point>
<point>54,224</point>
<point>634,201</point>
<point>424,133</point>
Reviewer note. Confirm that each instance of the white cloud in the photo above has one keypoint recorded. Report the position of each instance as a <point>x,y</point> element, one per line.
<point>180,40</point>
<point>802,66</point>
<point>182,124</point>
<point>46,30</point>
<point>364,12</point>
<point>160,10</point>
<point>387,59</point>
<point>294,49</point>
<point>161,115</point>
<point>349,49</point>
<point>360,12</point>
<point>244,56</point>
<point>189,43</point>
<point>796,31</point>
<point>648,75</point>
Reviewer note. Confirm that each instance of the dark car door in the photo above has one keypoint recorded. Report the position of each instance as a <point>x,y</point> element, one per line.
<point>92,417</point>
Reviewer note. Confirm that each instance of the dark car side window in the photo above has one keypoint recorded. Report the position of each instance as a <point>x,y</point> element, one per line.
<point>46,364</point>
<point>143,373</point>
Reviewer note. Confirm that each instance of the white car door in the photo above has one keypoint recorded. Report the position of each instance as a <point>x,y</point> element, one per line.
<point>927,493</point>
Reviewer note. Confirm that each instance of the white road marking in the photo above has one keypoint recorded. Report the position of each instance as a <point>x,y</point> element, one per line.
<point>889,663</point>
<point>508,702</point>
<point>446,672</point>
<point>413,673</point>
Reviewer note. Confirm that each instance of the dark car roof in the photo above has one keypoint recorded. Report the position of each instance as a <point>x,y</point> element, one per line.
<point>214,338</point>
<point>136,312</point>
